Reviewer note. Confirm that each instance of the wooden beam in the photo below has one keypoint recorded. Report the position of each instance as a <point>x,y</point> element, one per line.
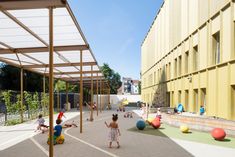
<point>77,72</point>
<point>78,78</point>
<point>45,49</point>
<point>26,4</point>
<point>59,65</point>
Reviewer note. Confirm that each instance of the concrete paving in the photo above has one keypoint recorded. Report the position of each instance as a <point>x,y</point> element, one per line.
<point>11,135</point>
<point>94,142</point>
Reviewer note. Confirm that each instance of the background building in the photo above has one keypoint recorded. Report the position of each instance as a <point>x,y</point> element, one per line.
<point>188,57</point>
<point>129,86</point>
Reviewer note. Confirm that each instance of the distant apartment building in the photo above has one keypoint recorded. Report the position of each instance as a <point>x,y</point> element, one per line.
<point>188,57</point>
<point>129,86</point>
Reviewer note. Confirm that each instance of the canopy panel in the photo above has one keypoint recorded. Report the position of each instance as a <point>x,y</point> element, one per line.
<point>24,39</point>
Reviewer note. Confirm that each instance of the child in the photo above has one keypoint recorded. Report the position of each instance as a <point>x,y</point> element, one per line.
<point>41,124</point>
<point>61,114</point>
<point>202,110</point>
<point>57,128</point>
<point>114,131</point>
<point>68,125</point>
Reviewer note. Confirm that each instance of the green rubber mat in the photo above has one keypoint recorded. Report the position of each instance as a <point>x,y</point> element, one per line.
<point>196,136</point>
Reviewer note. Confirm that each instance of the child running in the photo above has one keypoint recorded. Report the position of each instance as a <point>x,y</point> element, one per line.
<point>114,131</point>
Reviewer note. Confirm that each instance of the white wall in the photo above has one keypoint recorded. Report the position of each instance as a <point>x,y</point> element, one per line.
<point>115,99</point>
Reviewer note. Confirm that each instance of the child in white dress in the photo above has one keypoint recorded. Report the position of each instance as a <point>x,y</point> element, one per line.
<point>114,131</point>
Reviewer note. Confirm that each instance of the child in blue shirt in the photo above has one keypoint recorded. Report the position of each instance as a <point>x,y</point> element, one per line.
<point>202,110</point>
<point>58,128</point>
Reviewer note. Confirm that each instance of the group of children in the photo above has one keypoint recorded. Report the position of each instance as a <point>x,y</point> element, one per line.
<point>58,128</point>
<point>113,133</point>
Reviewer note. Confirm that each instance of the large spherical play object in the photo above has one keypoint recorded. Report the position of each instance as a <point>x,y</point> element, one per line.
<point>149,120</point>
<point>140,124</point>
<point>156,123</point>
<point>218,134</point>
<point>184,128</point>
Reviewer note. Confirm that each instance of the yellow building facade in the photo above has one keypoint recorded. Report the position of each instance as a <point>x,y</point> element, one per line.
<point>188,57</point>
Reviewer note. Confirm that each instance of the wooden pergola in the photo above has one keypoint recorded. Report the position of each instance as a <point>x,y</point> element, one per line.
<point>43,36</point>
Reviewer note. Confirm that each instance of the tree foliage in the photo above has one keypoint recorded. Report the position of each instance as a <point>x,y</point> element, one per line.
<point>10,79</point>
<point>114,78</point>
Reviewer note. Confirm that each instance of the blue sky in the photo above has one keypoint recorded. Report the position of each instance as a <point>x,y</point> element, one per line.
<point>115,30</point>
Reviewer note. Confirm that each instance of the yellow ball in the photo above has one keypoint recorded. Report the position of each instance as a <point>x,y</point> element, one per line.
<point>184,128</point>
<point>150,119</point>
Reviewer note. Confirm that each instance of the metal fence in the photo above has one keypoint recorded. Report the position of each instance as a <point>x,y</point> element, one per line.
<point>14,118</point>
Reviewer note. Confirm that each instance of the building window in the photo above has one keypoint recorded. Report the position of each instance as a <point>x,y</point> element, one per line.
<point>195,58</point>
<point>195,100</point>
<point>169,71</point>
<point>179,97</point>
<point>168,98</point>
<point>186,100</point>
<point>216,48</point>
<point>175,68</point>
<point>203,97</point>
<point>180,65</point>
<point>166,72</point>
<point>186,62</point>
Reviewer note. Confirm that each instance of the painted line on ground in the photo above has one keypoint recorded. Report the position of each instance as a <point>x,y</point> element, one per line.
<point>39,146</point>
<point>89,144</point>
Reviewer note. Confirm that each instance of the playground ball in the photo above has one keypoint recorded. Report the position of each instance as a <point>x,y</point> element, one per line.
<point>149,120</point>
<point>140,124</point>
<point>156,123</point>
<point>157,118</point>
<point>184,129</point>
<point>218,134</point>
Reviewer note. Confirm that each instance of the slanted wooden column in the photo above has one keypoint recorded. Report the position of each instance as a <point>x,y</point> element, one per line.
<point>51,81</point>
<point>109,105</point>
<point>58,97</point>
<point>67,97</point>
<point>21,94</point>
<point>81,92</point>
<point>97,96</point>
<point>44,94</point>
<point>100,95</point>
<point>92,102</point>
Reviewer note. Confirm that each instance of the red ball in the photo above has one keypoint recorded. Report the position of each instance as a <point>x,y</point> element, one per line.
<point>158,118</point>
<point>218,134</point>
<point>156,123</point>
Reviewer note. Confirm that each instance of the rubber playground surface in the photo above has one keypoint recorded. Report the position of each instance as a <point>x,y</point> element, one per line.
<point>195,136</point>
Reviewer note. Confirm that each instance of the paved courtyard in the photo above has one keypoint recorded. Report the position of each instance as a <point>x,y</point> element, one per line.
<point>93,142</point>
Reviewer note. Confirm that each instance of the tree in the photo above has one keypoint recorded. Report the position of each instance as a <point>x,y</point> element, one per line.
<point>10,79</point>
<point>114,79</point>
